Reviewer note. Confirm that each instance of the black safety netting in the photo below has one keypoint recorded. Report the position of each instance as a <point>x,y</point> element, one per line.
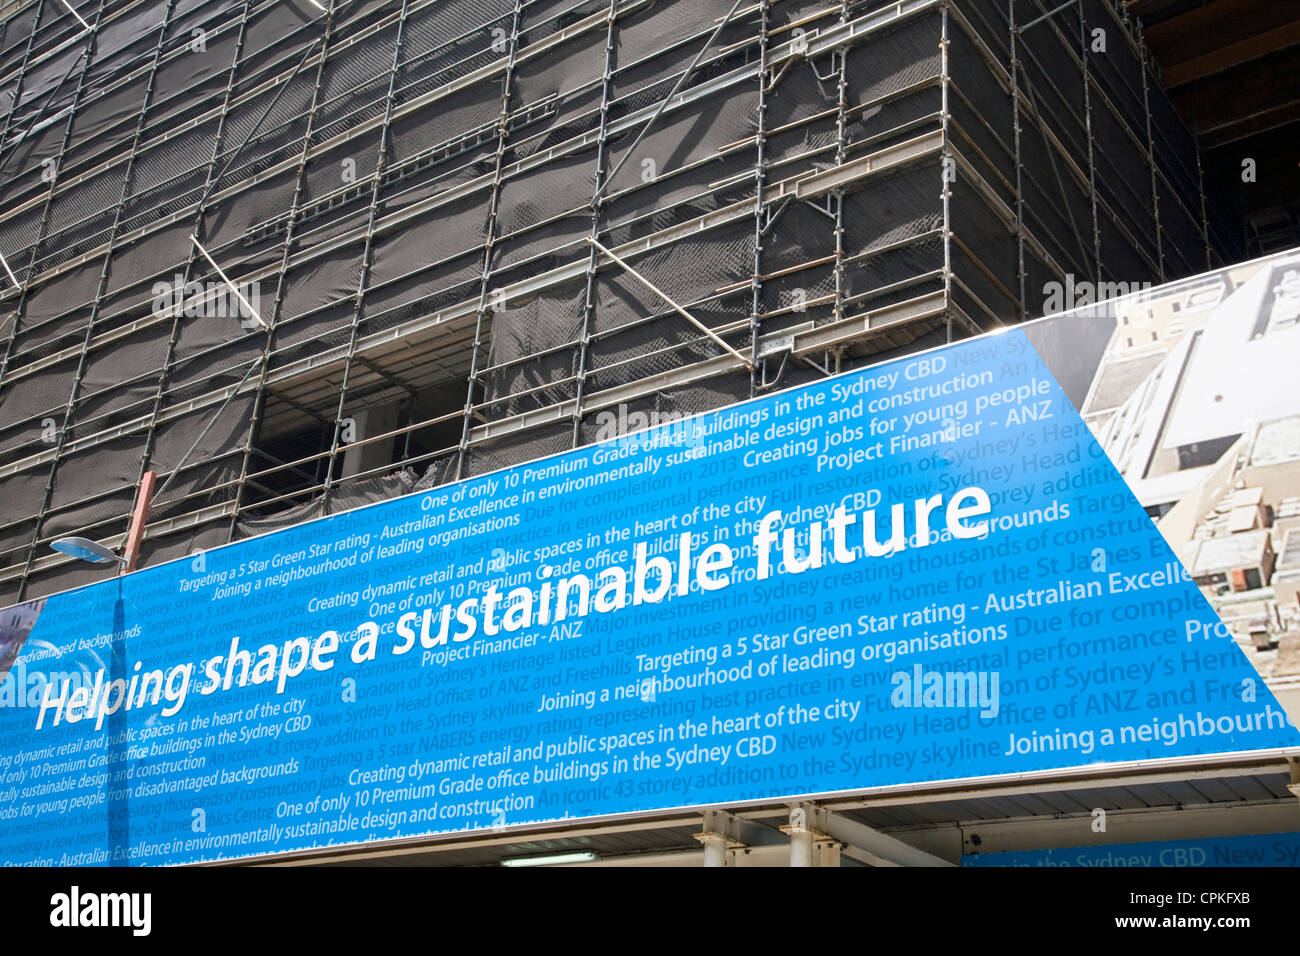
<point>890,273</point>
<point>15,35</point>
<point>93,485</point>
<point>344,495</point>
<point>309,335</point>
<point>39,395</point>
<point>571,65</point>
<point>229,222</point>
<point>706,396</point>
<point>407,298</point>
<point>205,484</point>
<point>23,492</point>
<point>183,543</point>
<point>526,446</point>
<point>28,438</point>
<point>182,77</point>
<point>683,137</point>
<point>642,83</point>
<point>123,35</point>
<point>640,335</point>
<point>1053,88</point>
<point>254,523</point>
<point>110,125</point>
<point>351,493</point>
<point>18,234</point>
<point>1123,174</point>
<point>984,256</point>
<point>50,83</point>
<point>16,534</point>
<point>650,31</point>
<point>534,345</point>
<point>896,206</point>
<point>557,194</point>
<point>280,26</point>
<point>1124,257</point>
<point>338,229</point>
<point>432,29</point>
<point>126,405</point>
<point>529,251</point>
<point>896,59</point>
<point>54,310</point>
<point>1117,66</point>
<point>544,18</point>
<point>202,435</point>
<point>458,226</point>
<point>664,407</point>
<point>124,370</point>
<point>161,256</point>
<point>437,471</point>
<point>216,320</point>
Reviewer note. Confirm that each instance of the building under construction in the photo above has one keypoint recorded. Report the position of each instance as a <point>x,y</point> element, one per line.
<point>295,256</point>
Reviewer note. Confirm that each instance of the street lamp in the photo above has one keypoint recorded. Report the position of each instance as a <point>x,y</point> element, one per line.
<point>87,550</point>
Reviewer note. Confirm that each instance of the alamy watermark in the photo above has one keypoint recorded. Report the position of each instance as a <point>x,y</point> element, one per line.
<point>620,421</point>
<point>1086,298</point>
<point>969,690</point>
<point>212,300</point>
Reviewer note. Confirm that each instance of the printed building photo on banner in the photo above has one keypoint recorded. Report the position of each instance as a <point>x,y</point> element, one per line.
<point>15,624</point>
<point>1194,400</point>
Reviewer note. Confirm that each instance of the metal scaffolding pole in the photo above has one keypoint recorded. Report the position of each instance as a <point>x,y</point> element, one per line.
<point>494,201</point>
<point>1098,271</point>
<point>16,98</point>
<point>597,207</point>
<point>40,233</point>
<point>1016,128</point>
<point>381,162</point>
<point>61,436</point>
<point>841,155</point>
<point>761,213</point>
<point>1205,212</point>
<point>174,332</point>
<point>947,175</point>
<point>281,286</point>
<point>677,87</point>
<point>1151,160</point>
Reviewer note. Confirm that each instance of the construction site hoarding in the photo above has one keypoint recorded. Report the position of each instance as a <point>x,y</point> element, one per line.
<point>1000,558</point>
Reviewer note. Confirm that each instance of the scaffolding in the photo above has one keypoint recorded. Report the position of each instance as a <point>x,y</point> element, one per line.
<point>297,257</point>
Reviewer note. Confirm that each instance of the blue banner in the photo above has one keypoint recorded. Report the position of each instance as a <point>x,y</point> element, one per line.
<point>926,570</point>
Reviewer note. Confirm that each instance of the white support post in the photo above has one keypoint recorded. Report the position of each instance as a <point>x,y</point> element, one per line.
<point>715,849</point>
<point>801,838</point>
<point>723,831</point>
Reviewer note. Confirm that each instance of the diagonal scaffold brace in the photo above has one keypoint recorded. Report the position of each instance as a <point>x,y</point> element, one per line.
<point>676,308</point>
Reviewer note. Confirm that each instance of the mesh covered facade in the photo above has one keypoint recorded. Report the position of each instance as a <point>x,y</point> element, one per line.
<point>405,194</point>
